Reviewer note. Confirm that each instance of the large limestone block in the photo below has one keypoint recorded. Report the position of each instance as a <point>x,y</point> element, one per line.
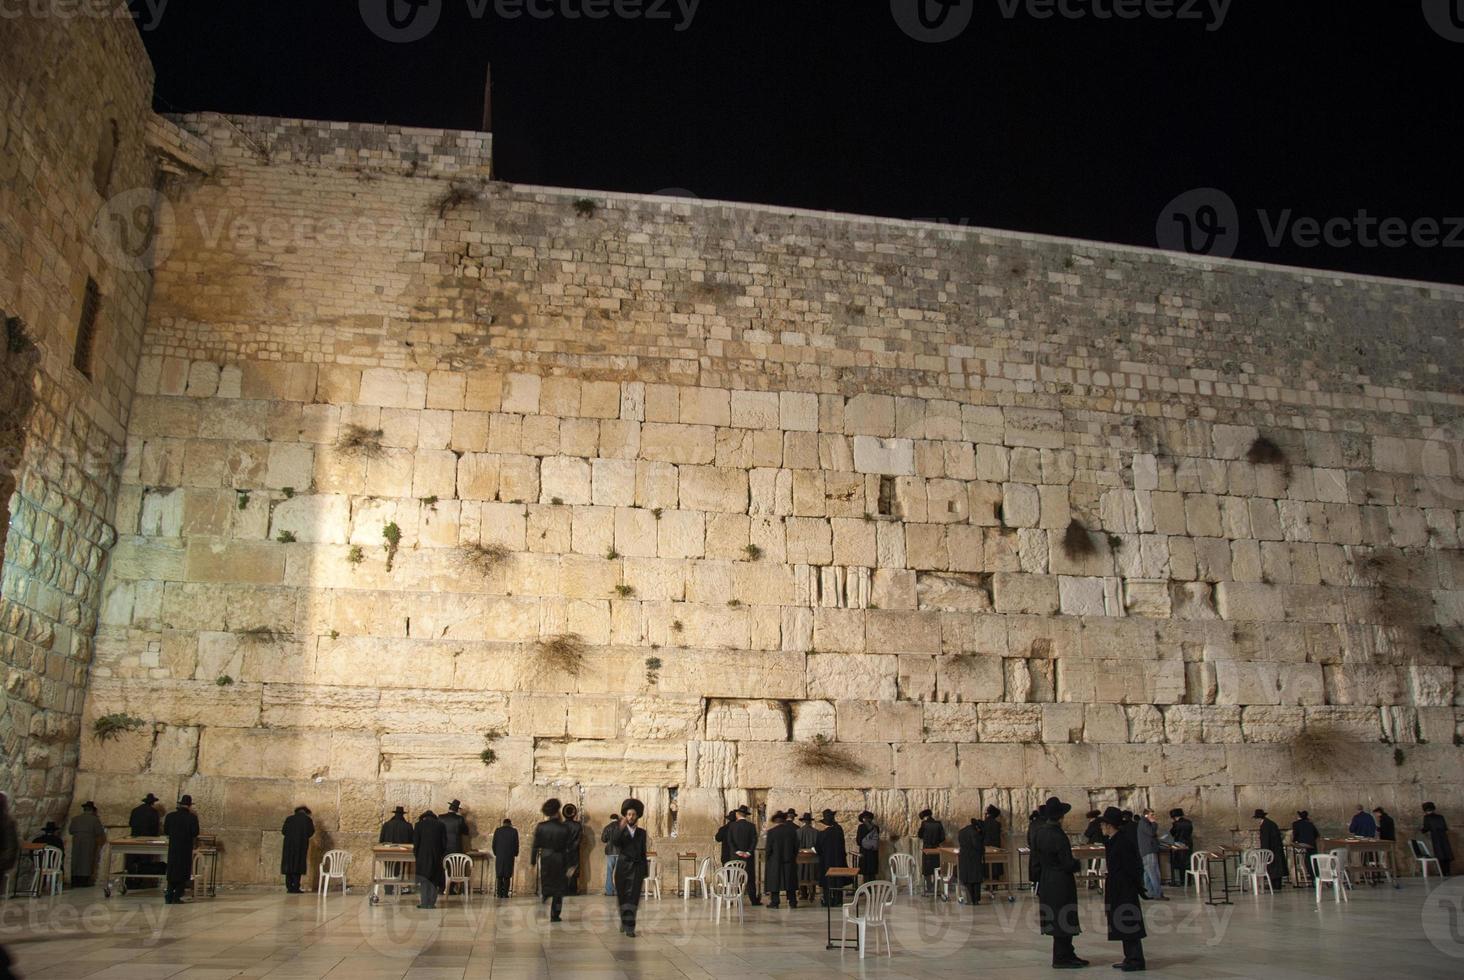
<point>1035,595</point>
<point>748,720</point>
<point>891,457</point>
<point>681,534</point>
<point>986,765</point>
<point>1104,723</point>
<point>1195,765</point>
<point>197,606</point>
<point>970,677</point>
<point>1051,766</point>
<point>456,757</point>
<point>565,479</point>
<point>714,488</point>
<point>291,754</point>
<point>365,661</point>
<point>1271,724</point>
<point>662,718</point>
<point>812,719</point>
<point>861,721</point>
<point>712,765</point>
<point>607,762</point>
<point>902,631</point>
<point>848,765</point>
<point>810,541</point>
<point>1247,683</point>
<point>313,706</point>
<point>1364,684</point>
<point>862,677</point>
<point>136,559</point>
<point>674,443</point>
<point>388,388</point>
<point>869,414</point>
<point>313,519</point>
<point>732,673</point>
<point>262,804</point>
<point>178,702</point>
<point>924,766</point>
<point>1010,722</point>
<point>1062,723</point>
<point>951,722</point>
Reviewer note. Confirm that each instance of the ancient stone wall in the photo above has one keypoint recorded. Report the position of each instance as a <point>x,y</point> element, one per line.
<point>717,503</point>
<point>75,98</point>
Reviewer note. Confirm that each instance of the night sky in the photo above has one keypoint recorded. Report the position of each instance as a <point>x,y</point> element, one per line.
<point>1079,126</point>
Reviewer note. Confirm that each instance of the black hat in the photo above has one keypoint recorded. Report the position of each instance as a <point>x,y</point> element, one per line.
<point>149,798</point>
<point>454,805</point>
<point>88,805</point>
<point>743,810</point>
<point>400,811</point>
<point>866,815</point>
<point>50,827</point>
<point>1112,816</point>
<point>778,816</point>
<point>828,816</point>
<point>1055,808</point>
<point>992,810</point>
<point>1128,814</point>
<point>302,808</point>
<point>1176,813</point>
<point>1259,814</point>
<point>631,803</point>
<point>1094,814</point>
<point>1429,807</point>
<point>185,800</point>
<point>806,818</point>
<point>550,808</point>
<point>925,814</point>
<point>1303,814</point>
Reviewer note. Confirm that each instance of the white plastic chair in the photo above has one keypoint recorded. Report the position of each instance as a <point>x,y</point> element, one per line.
<point>944,876</point>
<point>48,870</point>
<point>1199,870</point>
<point>1423,856</point>
<point>1326,870</point>
<point>651,887</point>
<point>728,884</point>
<point>868,909</point>
<point>458,869</point>
<point>1253,865</point>
<point>334,865</point>
<point>702,880</point>
<point>902,868</point>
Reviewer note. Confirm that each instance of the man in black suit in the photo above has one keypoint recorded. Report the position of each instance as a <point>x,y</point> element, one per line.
<point>742,841</point>
<point>782,851</point>
<point>505,849</point>
<point>633,865</point>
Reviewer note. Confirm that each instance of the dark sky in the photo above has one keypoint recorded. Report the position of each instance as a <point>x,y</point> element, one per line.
<point>1080,126</point>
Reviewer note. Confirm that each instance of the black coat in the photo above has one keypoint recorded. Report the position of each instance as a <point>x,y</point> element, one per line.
<point>782,851</point>
<point>551,850</point>
<point>298,828</point>
<point>721,838</point>
<point>1271,841</point>
<point>1304,834</point>
<point>1057,890</point>
<point>429,846</point>
<point>181,829</point>
<point>632,866</point>
<point>576,837</point>
<point>1123,889</point>
<point>971,861</point>
<point>396,831</point>
<point>145,821</point>
<point>831,851</point>
<point>1094,833</point>
<point>1387,829</point>
<point>742,836</point>
<point>1183,832</point>
<point>932,834</point>
<point>505,849</point>
<point>1032,850</point>
<point>455,826</point>
<point>1438,836</point>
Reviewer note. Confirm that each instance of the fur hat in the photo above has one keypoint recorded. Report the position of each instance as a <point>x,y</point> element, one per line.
<point>631,803</point>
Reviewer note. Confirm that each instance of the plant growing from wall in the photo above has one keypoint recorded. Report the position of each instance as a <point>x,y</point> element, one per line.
<point>111,726</point>
<point>224,681</point>
<point>585,208</point>
<point>454,197</point>
<point>357,440</point>
<point>356,555</point>
<point>611,554</point>
<point>562,653</point>
<point>262,634</point>
<point>488,756</point>
<point>1264,451</point>
<point>653,670</point>
<point>483,558</point>
<point>753,552</point>
<point>392,535</point>
<point>286,537</point>
<point>243,496</point>
<point>824,754</point>
<point>677,626</point>
<point>625,591</point>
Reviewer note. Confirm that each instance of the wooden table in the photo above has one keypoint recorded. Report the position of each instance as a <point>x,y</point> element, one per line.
<point>1382,851</point>
<point>850,874</point>
<point>389,870</point>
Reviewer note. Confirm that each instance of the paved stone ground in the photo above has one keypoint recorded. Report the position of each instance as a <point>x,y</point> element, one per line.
<point>255,933</point>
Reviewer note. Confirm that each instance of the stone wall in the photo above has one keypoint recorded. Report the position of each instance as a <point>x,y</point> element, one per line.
<point>845,512</point>
<point>74,109</point>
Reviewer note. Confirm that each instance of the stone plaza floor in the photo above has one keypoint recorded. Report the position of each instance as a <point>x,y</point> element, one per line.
<point>1382,932</point>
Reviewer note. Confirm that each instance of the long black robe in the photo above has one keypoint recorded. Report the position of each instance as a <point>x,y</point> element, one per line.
<point>551,850</point>
<point>1094,833</point>
<point>1272,841</point>
<point>143,821</point>
<point>1387,828</point>
<point>742,837</point>
<point>181,829</point>
<point>1438,836</point>
<point>1057,888</point>
<point>429,847</point>
<point>576,839</point>
<point>455,829</point>
<point>971,861</point>
<point>932,834</point>
<point>782,851</point>
<point>631,869</point>
<point>298,828</point>
<point>1032,828</point>
<point>505,849</point>
<point>1304,834</point>
<point>1123,889</point>
<point>832,853</point>
<point>991,834</point>
<point>721,838</point>
<point>396,831</point>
